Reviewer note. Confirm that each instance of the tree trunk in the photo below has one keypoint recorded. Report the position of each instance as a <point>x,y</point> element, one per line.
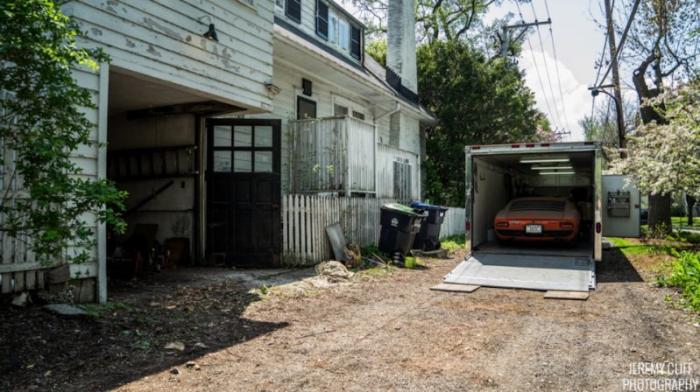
<point>690,204</point>
<point>660,214</point>
<point>659,205</point>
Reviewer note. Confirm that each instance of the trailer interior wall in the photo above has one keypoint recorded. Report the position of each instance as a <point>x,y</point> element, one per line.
<point>499,178</point>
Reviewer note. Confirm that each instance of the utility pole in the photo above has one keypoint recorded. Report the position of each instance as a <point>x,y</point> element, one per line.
<point>506,36</point>
<point>615,75</point>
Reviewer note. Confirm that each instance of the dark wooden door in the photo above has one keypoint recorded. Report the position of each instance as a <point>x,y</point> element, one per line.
<point>243,192</point>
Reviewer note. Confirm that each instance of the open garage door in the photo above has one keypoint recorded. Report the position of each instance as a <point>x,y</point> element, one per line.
<point>518,268</point>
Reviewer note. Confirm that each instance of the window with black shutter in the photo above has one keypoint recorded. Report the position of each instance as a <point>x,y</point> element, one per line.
<point>293,10</point>
<point>356,42</point>
<point>322,19</point>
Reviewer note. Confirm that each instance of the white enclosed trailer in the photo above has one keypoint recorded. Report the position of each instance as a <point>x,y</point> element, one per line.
<point>496,174</point>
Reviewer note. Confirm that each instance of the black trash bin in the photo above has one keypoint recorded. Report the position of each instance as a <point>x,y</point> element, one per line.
<point>428,238</point>
<point>400,224</point>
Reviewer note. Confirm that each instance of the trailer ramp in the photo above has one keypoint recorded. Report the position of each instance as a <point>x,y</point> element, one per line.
<point>525,271</point>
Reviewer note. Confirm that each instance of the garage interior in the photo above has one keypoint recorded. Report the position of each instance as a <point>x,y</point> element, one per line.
<point>498,179</point>
<point>153,153</point>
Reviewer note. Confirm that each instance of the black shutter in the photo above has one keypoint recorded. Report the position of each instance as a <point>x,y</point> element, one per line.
<point>294,10</point>
<point>322,19</point>
<point>356,42</point>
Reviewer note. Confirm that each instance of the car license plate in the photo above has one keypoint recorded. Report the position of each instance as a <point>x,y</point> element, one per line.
<point>533,229</point>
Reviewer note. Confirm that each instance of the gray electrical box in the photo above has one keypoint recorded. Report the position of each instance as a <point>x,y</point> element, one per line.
<point>619,204</point>
<point>621,207</point>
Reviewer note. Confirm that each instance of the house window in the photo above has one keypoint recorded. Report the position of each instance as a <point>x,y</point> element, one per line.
<point>322,19</point>
<point>332,28</point>
<point>279,4</point>
<point>306,108</point>
<point>402,180</point>
<point>394,129</point>
<point>339,110</point>
<point>355,42</point>
<point>343,34</point>
<point>293,10</point>
<point>358,115</point>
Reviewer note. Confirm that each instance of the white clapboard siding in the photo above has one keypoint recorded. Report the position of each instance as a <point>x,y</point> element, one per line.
<point>163,39</point>
<point>386,156</point>
<point>305,218</point>
<point>19,268</point>
<point>308,24</point>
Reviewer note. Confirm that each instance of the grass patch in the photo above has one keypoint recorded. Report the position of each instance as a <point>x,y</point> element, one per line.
<point>100,310</point>
<point>375,272</point>
<point>685,276</point>
<point>454,242</point>
<point>683,221</point>
<point>629,247</point>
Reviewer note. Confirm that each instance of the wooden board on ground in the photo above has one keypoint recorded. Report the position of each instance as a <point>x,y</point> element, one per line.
<point>558,294</point>
<point>457,288</point>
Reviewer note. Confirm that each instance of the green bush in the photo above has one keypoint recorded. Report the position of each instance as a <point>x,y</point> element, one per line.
<point>453,242</point>
<point>685,275</point>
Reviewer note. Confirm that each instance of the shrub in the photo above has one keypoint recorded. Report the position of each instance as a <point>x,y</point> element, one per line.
<point>685,275</point>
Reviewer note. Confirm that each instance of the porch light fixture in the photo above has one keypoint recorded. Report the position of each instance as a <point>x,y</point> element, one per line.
<point>272,88</point>
<point>556,173</point>
<point>552,167</point>
<point>544,160</point>
<point>211,33</point>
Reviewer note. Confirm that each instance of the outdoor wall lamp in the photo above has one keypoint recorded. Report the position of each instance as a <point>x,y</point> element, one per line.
<point>211,32</point>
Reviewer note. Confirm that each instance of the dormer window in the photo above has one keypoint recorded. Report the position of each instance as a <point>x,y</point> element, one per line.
<point>322,19</point>
<point>356,42</point>
<point>293,10</point>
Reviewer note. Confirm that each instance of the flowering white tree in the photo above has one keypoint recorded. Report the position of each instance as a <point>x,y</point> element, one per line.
<point>665,158</point>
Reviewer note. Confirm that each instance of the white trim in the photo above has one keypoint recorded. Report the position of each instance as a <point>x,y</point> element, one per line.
<point>289,38</point>
<point>102,108</point>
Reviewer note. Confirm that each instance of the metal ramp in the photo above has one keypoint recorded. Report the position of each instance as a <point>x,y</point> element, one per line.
<point>526,271</point>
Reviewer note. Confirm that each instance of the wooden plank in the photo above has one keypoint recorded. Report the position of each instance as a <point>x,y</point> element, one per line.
<point>285,225</point>
<point>574,295</point>
<point>16,267</point>
<point>19,281</point>
<point>40,279</point>
<point>30,280</point>
<point>456,288</point>
<point>6,283</point>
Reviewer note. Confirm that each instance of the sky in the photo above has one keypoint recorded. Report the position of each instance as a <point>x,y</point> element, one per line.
<point>578,41</point>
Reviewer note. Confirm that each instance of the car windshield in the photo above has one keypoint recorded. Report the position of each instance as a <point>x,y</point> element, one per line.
<point>538,205</point>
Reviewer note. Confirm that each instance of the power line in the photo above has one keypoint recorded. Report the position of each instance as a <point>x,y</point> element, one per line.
<point>556,64</point>
<point>546,65</point>
<point>635,6</point>
<point>534,62</point>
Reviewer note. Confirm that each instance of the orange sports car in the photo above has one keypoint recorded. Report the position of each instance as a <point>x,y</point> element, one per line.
<point>538,219</point>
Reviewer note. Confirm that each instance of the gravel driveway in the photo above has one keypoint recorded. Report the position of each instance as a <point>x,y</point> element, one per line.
<point>393,333</point>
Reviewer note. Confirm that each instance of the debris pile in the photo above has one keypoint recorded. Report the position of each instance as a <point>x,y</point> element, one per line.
<point>335,271</point>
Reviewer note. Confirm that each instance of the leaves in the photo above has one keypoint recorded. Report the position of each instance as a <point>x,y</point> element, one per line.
<point>477,101</point>
<point>42,123</point>
<point>665,158</point>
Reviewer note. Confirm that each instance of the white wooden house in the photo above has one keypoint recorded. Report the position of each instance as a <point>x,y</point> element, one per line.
<point>211,111</point>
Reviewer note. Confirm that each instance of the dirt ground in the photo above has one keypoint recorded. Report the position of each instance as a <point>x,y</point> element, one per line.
<point>379,332</point>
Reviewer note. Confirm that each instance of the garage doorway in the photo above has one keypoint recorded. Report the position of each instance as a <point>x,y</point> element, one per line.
<point>244,192</point>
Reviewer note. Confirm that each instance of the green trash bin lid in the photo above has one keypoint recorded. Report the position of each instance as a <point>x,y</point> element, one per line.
<point>402,208</point>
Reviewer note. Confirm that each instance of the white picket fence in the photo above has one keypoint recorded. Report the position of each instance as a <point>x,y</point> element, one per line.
<point>305,218</point>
